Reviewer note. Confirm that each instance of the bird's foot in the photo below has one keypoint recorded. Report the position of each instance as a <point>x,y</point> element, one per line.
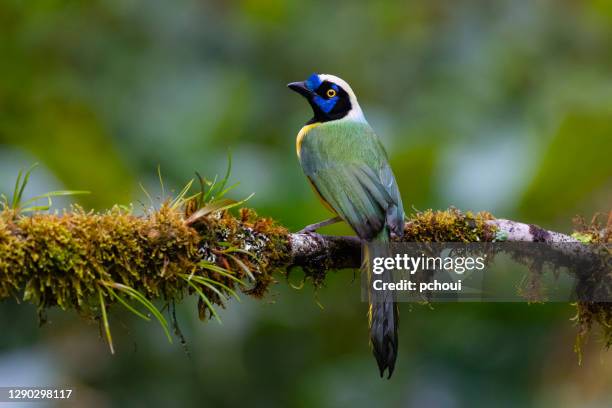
<point>312,228</point>
<point>309,229</point>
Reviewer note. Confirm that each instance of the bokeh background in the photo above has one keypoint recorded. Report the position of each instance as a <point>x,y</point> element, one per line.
<point>503,106</point>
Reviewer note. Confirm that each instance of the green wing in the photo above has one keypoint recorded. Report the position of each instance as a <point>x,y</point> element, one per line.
<point>348,165</point>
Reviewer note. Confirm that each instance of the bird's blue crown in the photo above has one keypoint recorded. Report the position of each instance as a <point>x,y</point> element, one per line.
<point>313,82</point>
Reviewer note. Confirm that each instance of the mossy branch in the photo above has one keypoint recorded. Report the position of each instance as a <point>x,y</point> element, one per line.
<point>88,261</point>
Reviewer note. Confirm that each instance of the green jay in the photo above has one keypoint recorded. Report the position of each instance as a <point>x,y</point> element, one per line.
<point>347,167</point>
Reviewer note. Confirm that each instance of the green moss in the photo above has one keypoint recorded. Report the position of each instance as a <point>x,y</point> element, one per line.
<point>450,225</point>
<point>453,225</point>
<point>68,259</point>
<point>597,232</point>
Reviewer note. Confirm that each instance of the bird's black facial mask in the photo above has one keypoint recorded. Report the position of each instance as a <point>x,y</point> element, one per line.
<point>328,100</point>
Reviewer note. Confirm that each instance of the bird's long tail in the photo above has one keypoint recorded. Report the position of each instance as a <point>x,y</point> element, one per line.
<point>383,314</point>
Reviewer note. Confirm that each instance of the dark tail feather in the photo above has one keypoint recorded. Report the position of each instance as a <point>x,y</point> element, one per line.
<point>384,321</point>
<point>383,314</point>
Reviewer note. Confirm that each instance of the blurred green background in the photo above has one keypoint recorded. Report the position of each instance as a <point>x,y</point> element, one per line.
<point>503,106</point>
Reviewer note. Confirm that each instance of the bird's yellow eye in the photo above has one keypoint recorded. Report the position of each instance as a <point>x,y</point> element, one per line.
<point>331,93</point>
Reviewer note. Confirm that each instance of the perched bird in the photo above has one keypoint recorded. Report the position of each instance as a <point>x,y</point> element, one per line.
<point>348,169</point>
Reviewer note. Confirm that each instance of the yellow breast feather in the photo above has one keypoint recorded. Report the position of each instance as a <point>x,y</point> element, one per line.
<point>303,131</point>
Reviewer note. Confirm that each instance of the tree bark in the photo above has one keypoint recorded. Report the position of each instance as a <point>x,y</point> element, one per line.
<point>338,252</point>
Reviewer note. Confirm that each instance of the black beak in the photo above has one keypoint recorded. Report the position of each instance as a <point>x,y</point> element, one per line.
<point>300,87</point>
